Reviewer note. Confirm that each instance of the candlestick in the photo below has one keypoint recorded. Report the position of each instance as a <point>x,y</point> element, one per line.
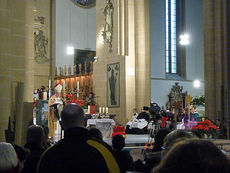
<point>99,110</point>
<point>106,110</point>
<point>103,110</point>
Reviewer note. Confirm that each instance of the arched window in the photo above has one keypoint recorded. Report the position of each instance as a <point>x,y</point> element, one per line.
<point>174,25</point>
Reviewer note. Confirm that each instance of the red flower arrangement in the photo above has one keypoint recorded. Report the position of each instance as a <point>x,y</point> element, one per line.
<point>71,98</point>
<point>119,130</point>
<point>206,127</point>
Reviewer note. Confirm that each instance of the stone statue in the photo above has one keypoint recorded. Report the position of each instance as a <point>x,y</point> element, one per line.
<point>85,65</point>
<point>65,70</point>
<point>91,67</point>
<point>74,69</point>
<point>70,70</point>
<point>79,66</point>
<point>108,26</point>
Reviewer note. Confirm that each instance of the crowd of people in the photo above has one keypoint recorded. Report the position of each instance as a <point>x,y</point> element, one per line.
<point>84,150</point>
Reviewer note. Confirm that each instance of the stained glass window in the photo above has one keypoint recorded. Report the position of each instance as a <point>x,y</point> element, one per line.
<point>170,36</point>
<point>85,3</point>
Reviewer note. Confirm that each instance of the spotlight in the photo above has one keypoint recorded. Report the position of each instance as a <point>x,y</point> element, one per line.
<point>70,50</point>
<point>196,83</point>
<point>184,39</point>
<point>95,59</point>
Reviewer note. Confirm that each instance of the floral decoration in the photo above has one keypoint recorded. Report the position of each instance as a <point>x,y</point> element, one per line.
<point>199,100</point>
<point>71,98</point>
<point>206,127</point>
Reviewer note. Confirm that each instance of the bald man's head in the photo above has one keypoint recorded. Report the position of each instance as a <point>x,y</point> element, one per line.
<point>72,116</point>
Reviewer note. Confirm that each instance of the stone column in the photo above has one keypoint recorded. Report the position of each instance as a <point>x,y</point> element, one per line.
<point>131,49</point>
<point>142,49</point>
<point>215,58</point>
<point>5,62</point>
<point>17,64</point>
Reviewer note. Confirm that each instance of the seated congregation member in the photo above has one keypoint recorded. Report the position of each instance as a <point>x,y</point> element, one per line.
<point>79,151</point>
<point>135,114</point>
<point>9,162</point>
<point>174,137</point>
<point>170,139</point>
<point>34,143</point>
<point>154,157</point>
<point>124,159</point>
<point>140,124</point>
<point>46,141</point>
<point>190,156</point>
<point>144,114</point>
<point>22,154</point>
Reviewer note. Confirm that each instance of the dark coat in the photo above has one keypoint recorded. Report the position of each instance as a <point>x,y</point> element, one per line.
<point>35,155</point>
<point>124,159</point>
<point>78,152</point>
<point>143,115</point>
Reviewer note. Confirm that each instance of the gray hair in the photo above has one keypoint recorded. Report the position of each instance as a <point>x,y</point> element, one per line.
<point>8,157</point>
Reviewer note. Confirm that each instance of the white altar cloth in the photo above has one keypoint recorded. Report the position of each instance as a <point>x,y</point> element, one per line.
<point>104,125</point>
<point>93,122</point>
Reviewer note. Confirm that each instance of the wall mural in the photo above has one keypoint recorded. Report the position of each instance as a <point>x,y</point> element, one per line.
<point>85,3</point>
<point>113,85</point>
<point>40,40</point>
<point>40,46</point>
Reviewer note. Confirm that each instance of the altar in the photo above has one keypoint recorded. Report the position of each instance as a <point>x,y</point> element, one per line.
<point>104,125</point>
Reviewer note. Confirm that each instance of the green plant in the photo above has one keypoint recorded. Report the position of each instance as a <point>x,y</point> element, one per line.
<point>198,100</point>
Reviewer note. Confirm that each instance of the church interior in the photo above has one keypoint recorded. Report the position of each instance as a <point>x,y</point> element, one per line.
<point>113,57</point>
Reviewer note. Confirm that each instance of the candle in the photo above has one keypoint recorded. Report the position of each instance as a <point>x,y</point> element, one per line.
<point>78,85</point>
<point>106,110</point>
<point>99,110</point>
<point>49,83</point>
<point>88,109</point>
<point>64,86</point>
<point>103,110</point>
<point>49,88</point>
<point>44,95</point>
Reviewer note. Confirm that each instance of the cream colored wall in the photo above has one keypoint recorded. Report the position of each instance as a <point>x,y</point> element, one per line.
<point>131,50</point>
<point>17,62</point>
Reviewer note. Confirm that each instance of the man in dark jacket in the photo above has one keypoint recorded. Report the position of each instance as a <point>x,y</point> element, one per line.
<point>78,151</point>
<point>144,114</point>
<point>35,137</point>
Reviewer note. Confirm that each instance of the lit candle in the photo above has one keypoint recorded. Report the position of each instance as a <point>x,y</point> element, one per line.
<point>106,110</point>
<point>49,88</point>
<point>88,109</point>
<point>49,84</point>
<point>78,85</point>
<point>103,110</point>
<point>99,110</point>
<point>64,86</point>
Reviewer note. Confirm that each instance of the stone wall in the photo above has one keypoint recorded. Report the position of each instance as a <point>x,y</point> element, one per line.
<point>17,63</point>
<point>130,47</point>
